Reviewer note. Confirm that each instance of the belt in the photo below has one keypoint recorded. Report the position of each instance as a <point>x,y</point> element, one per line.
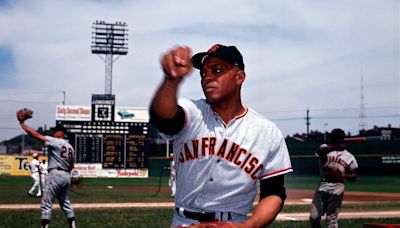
<point>58,168</point>
<point>199,216</point>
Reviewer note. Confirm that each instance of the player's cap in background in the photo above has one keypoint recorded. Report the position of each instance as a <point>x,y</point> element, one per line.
<point>58,127</point>
<point>337,134</point>
<point>229,54</point>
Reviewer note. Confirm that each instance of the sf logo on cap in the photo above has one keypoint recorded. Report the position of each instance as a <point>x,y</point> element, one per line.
<point>213,48</point>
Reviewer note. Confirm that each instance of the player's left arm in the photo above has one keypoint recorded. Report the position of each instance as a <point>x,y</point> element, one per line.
<point>265,212</point>
<point>350,175</point>
<point>272,197</point>
<point>39,166</point>
<point>71,164</point>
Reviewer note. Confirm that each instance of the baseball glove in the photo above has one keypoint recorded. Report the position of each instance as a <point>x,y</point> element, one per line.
<point>210,225</point>
<point>24,114</point>
<point>333,175</point>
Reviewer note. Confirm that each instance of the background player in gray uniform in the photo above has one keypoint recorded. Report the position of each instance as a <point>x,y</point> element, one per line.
<point>61,157</point>
<point>35,175</point>
<point>221,147</point>
<point>336,165</point>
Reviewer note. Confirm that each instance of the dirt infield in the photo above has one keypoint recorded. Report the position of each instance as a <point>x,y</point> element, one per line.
<point>300,196</point>
<point>305,196</point>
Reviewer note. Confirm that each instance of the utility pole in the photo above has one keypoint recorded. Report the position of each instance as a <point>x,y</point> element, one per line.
<point>23,143</point>
<point>308,122</point>
<point>63,102</point>
<point>326,124</point>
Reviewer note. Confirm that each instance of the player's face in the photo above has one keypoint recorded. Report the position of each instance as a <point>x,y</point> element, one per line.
<point>58,134</point>
<point>220,80</point>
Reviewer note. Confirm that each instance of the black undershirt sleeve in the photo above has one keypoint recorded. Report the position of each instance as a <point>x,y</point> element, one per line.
<point>273,186</point>
<point>168,126</point>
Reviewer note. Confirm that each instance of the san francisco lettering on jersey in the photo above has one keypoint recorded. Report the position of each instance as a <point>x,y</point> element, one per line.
<point>230,151</point>
<point>337,159</point>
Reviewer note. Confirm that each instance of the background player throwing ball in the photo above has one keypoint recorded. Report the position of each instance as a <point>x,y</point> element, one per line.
<point>336,165</point>
<point>221,147</point>
<point>61,158</point>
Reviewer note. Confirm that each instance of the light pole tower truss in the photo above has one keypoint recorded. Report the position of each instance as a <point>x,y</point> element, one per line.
<point>109,39</point>
<point>363,116</point>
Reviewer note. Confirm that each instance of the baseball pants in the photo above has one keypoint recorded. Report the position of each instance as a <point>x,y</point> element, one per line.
<point>57,187</point>
<point>325,203</point>
<point>35,189</point>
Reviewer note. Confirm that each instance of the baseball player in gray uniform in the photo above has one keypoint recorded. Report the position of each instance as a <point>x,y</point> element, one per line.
<point>221,147</point>
<point>61,157</point>
<point>336,165</point>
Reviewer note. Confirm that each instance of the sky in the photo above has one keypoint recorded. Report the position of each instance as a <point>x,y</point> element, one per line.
<point>299,56</point>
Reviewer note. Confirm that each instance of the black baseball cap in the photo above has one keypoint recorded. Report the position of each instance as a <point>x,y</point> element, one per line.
<point>337,134</point>
<point>229,54</point>
<point>58,127</point>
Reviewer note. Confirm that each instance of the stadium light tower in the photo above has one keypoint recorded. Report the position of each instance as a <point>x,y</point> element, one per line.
<point>109,39</point>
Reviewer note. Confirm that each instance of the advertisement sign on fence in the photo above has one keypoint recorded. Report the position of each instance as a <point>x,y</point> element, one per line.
<point>14,165</point>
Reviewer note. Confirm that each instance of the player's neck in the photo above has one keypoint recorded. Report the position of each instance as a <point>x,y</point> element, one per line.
<point>228,111</point>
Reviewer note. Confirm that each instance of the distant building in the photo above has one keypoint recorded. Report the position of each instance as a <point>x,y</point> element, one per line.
<point>3,149</point>
<point>388,133</point>
<point>313,136</point>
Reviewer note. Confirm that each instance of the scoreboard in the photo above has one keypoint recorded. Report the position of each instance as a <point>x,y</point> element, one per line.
<point>113,136</point>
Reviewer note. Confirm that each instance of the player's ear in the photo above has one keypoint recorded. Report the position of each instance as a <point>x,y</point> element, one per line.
<point>240,76</point>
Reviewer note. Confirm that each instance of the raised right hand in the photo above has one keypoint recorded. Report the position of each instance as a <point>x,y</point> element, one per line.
<point>176,63</point>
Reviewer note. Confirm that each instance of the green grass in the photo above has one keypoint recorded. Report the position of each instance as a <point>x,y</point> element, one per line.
<point>362,184</point>
<point>96,190</point>
<point>130,217</point>
<point>355,223</point>
<point>91,218</point>
<point>347,207</point>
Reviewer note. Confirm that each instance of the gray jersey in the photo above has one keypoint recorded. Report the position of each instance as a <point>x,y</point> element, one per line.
<point>61,153</point>
<point>217,164</point>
